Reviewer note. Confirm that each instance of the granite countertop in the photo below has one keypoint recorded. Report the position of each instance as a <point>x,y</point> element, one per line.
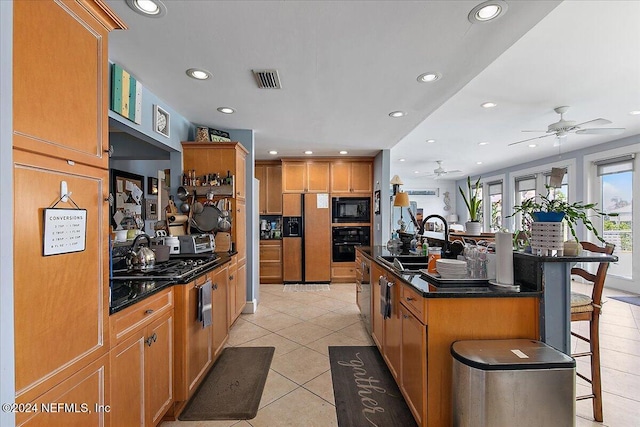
<point>586,256</point>
<point>432,287</point>
<point>125,293</point>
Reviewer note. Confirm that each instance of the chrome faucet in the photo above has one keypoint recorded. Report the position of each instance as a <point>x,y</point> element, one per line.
<point>446,252</point>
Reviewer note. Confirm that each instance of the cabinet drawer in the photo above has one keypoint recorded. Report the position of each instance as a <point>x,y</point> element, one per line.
<point>270,253</point>
<point>414,302</point>
<point>140,314</point>
<point>270,270</point>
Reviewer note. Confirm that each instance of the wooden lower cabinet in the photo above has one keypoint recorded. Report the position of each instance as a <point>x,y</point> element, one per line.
<point>241,288</point>
<point>86,390</point>
<point>271,261</point>
<point>392,332</point>
<point>376,317</point>
<point>142,372</point>
<point>219,307</point>
<point>237,296</point>
<point>343,272</point>
<point>414,363</point>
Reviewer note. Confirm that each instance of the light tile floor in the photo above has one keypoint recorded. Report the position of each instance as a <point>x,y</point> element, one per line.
<point>302,325</point>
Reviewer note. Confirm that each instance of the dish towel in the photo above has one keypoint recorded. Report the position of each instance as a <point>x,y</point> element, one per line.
<point>385,297</point>
<point>204,304</point>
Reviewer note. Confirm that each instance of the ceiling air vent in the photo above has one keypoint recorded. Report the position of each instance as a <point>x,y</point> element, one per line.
<point>267,79</point>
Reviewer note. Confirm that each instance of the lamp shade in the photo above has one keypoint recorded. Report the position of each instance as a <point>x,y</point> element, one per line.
<point>396,180</point>
<point>402,199</point>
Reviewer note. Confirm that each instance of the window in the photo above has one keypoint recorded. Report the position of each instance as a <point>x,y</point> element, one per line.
<point>495,205</point>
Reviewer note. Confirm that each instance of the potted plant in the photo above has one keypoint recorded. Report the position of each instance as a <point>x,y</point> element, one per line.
<point>555,210</point>
<point>473,202</point>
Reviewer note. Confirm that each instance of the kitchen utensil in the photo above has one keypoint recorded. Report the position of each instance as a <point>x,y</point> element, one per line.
<point>223,241</point>
<point>171,207</point>
<point>198,208</point>
<point>207,221</point>
<point>161,233</point>
<point>185,208</point>
<point>183,193</point>
<point>161,252</point>
<point>141,257</point>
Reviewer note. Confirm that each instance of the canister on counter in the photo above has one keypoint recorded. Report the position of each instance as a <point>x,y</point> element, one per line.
<point>434,254</point>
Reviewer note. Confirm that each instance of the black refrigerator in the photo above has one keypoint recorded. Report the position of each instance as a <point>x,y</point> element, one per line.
<point>306,239</point>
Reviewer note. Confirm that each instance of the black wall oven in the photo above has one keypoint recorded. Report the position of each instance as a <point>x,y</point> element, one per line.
<point>350,209</point>
<point>345,241</point>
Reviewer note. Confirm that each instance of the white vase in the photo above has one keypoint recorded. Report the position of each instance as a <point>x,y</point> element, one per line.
<point>473,227</point>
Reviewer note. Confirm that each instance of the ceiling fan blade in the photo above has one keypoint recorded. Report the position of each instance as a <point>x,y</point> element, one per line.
<point>595,122</point>
<point>540,131</point>
<point>531,139</point>
<point>454,171</point>
<point>601,131</point>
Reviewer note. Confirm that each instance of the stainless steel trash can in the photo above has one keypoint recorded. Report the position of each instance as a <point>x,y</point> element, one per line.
<point>504,383</point>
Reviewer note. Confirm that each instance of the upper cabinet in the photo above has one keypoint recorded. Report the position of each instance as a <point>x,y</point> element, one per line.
<point>305,176</point>
<point>270,176</point>
<point>61,108</point>
<point>352,177</point>
<point>220,158</point>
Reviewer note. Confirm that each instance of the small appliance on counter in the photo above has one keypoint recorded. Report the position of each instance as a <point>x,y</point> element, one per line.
<point>197,243</point>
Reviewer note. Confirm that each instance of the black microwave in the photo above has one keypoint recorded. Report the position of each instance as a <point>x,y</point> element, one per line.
<point>350,209</point>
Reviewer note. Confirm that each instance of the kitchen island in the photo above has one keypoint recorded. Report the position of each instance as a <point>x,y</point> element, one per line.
<point>427,317</point>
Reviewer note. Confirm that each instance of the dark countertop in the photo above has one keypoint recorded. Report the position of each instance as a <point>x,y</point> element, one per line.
<point>431,287</point>
<point>585,257</point>
<point>125,293</point>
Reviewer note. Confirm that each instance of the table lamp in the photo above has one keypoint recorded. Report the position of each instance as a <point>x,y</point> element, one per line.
<point>402,201</point>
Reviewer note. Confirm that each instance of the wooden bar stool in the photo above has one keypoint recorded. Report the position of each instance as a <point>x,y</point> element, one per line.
<point>587,308</point>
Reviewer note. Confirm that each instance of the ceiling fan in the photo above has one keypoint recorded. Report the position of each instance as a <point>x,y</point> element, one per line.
<point>440,171</point>
<point>563,127</point>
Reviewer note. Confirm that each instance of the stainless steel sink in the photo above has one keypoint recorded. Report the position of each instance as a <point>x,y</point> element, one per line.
<point>405,263</point>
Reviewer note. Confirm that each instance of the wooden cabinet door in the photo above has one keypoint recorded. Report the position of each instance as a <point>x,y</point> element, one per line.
<point>159,368</point>
<point>376,315</point>
<point>361,177</point>
<point>241,288</point>
<point>292,204</point>
<point>261,175</point>
<point>292,259</point>
<point>294,177</point>
<point>241,230</point>
<point>271,261</point>
<point>317,240</point>
<point>340,177</point>
<point>241,170</point>
<point>273,199</point>
<point>318,177</point>
<point>127,381</point>
<point>62,47</point>
<point>73,319</point>
<point>232,289</point>
<point>414,364</point>
<point>393,333</point>
<point>220,284</point>
<point>199,346</point>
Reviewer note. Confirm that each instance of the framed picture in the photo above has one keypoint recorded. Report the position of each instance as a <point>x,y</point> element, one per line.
<point>151,209</point>
<point>376,202</point>
<point>129,204</point>
<point>161,120</point>
<point>152,186</point>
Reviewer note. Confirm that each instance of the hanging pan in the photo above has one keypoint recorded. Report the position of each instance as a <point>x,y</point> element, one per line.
<point>207,220</point>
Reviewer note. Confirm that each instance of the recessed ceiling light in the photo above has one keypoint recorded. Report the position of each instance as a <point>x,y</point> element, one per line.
<point>431,141</point>
<point>488,105</point>
<point>401,160</point>
<point>198,74</point>
<point>487,11</point>
<point>478,163</point>
<point>149,8</point>
<point>308,152</point>
<point>483,143</point>
<point>273,152</point>
<point>634,112</point>
<point>226,110</point>
<point>343,152</point>
<point>532,145</point>
<point>431,76</point>
<point>397,114</point>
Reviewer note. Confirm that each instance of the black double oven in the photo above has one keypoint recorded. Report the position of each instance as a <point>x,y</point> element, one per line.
<point>346,238</point>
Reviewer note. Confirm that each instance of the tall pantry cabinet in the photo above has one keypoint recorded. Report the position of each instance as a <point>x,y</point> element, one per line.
<point>60,133</point>
<point>220,157</point>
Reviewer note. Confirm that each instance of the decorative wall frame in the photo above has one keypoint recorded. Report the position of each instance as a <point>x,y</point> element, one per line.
<point>376,202</point>
<point>152,186</point>
<point>161,120</point>
<point>128,191</point>
<point>151,210</point>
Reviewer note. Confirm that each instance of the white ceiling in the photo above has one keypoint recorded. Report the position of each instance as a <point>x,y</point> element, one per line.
<point>345,65</point>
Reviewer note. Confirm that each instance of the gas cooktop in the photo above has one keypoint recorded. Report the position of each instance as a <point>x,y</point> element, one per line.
<point>175,269</point>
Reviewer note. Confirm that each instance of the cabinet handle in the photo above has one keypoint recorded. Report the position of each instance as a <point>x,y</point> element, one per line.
<point>149,311</point>
<point>149,341</point>
<point>109,199</point>
<point>404,316</point>
<point>238,193</point>
<point>410,299</point>
<point>231,277</point>
<point>109,150</point>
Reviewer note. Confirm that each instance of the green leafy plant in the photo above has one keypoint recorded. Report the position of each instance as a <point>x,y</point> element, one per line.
<point>574,213</point>
<point>472,201</point>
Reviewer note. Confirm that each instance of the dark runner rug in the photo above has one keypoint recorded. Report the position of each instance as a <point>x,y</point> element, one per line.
<point>233,388</point>
<point>365,392</point>
<point>635,300</point>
